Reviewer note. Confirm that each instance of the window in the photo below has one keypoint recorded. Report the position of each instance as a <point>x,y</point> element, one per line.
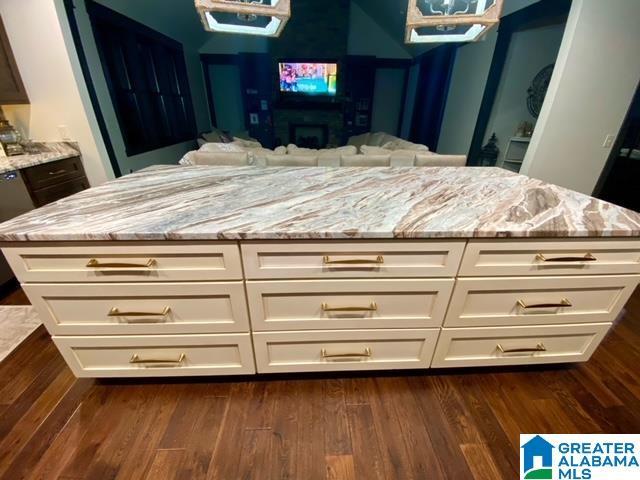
<point>147,79</point>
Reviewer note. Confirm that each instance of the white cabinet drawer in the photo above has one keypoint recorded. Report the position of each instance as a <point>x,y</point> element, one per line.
<point>334,304</point>
<point>314,351</point>
<point>550,257</point>
<point>480,302</point>
<point>345,259</point>
<point>157,355</point>
<point>140,308</point>
<point>473,347</point>
<point>130,261</point>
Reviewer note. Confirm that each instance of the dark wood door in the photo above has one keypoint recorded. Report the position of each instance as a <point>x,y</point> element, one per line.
<point>12,90</point>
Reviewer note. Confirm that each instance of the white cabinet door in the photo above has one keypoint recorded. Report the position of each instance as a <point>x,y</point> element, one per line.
<point>475,347</point>
<point>314,351</point>
<point>126,262</point>
<point>337,304</point>
<point>478,302</point>
<point>140,308</point>
<point>485,258</point>
<point>157,355</point>
<point>406,258</point>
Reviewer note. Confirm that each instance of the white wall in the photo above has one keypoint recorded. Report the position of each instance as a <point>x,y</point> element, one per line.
<point>529,51</point>
<point>157,19</point>
<point>407,116</point>
<point>468,80</point>
<point>596,75</point>
<point>366,37</point>
<point>226,92</point>
<point>47,69</point>
<point>387,100</point>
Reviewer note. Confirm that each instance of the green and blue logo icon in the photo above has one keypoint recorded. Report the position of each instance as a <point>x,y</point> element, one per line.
<point>537,459</point>
<point>579,456</point>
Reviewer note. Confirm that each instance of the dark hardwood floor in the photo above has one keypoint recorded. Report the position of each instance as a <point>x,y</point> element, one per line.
<point>461,424</point>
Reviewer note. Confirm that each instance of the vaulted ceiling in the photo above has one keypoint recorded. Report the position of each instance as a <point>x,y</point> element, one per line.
<point>391,15</point>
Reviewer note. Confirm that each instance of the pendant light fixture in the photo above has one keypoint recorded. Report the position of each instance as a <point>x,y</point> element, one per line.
<point>437,21</point>
<point>251,17</point>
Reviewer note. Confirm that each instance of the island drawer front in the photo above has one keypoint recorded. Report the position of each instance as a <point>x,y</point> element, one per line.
<point>550,257</point>
<point>140,308</point>
<point>166,261</point>
<point>348,304</point>
<point>479,302</point>
<point>475,347</point>
<point>157,355</point>
<point>402,258</point>
<point>313,351</point>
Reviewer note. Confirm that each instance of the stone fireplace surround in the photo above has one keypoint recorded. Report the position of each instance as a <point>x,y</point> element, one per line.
<point>286,120</point>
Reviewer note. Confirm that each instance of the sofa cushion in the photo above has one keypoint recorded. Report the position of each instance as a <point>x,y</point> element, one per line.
<point>369,150</point>
<point>378,139</point>
<point>216,158</point>
<point>403,158</point>
<point>359,140</point>
<point>330,157</point>
<point>401,144</point>
<point>247,143</point>
<point>293,149</point>
<point>365,160</point>
<point>281,150</point>
<point>435,160</point>
<point>221,147</point>
<point>214,136</point>
<point>292,161</point>
<point>258,156</point>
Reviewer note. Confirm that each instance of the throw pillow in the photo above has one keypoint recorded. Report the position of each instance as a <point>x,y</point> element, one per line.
<point>401,144</point>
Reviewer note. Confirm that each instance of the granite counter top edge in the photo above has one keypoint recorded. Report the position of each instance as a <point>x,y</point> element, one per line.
<point>59,151</point>
<point>315,236</point>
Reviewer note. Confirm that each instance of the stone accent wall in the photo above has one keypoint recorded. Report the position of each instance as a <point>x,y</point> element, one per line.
<point>332,118</point>
<point>316,28</point>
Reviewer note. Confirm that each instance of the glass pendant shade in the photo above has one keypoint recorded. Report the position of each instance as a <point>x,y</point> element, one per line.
<point>437,21</point>
<point>251,17</point>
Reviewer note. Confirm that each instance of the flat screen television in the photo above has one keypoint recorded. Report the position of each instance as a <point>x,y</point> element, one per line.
<point>308,78</point>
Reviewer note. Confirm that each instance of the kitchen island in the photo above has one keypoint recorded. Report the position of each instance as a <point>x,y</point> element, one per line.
<point>216,270</point>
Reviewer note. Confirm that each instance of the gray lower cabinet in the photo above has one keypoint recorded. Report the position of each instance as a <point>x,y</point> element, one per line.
<point>55,180</point>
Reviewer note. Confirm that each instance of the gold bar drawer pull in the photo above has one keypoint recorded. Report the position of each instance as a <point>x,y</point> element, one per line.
<point>93,263</point>
<point>58,172</point>
<point>588,257</point>
<point>538,348</point>
<point>371,308</point>
<point>135,359</point>
<point>563,303</point>
<point>379,260</point>
<point>366,354</point>
<point>115,312</point>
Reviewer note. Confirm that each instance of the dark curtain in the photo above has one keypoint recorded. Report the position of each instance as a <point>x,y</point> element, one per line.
<point>431,95</point>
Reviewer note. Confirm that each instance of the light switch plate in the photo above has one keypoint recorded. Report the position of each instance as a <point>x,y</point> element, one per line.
<point>608,141</point>
<point>63,130</point>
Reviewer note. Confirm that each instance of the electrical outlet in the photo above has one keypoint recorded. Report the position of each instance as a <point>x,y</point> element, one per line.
<point>63,130</point>
<point>608,141</point>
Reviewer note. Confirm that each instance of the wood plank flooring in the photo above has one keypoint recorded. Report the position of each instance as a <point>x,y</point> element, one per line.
<point>461,424</point>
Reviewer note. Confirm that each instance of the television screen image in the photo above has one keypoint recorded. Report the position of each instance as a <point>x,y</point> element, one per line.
<point>308,78</point>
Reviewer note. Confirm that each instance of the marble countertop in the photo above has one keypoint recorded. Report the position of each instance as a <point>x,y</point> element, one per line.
<point>216,203</point>
<point>37,154</point>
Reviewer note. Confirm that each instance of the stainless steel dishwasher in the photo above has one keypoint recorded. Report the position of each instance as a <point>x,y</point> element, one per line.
<point>14,200</point>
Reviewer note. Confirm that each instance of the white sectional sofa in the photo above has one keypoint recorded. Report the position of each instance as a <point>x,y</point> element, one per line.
<point>368,150</point>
